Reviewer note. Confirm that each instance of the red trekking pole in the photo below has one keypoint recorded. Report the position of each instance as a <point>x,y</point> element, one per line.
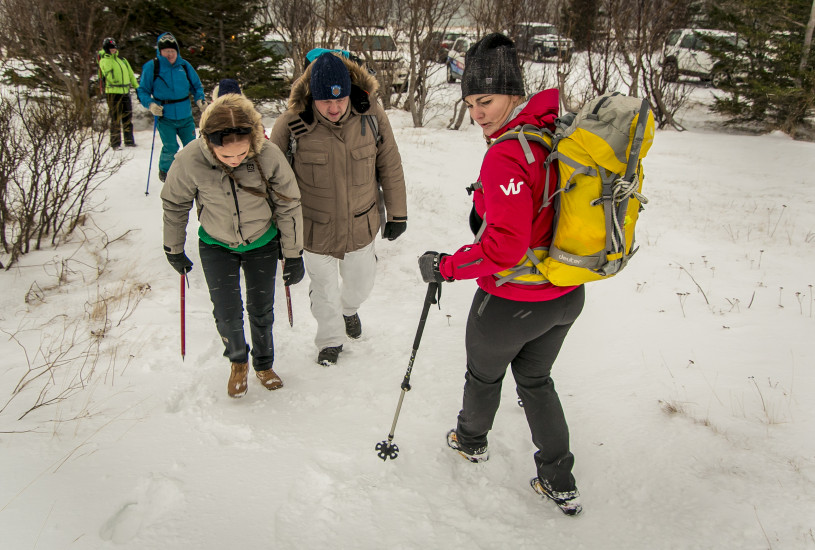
<point>288,301</point>
<point>288,306</point>
<point>183,317</point>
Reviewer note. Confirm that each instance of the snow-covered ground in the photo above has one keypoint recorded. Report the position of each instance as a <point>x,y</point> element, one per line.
<point>687,380</point>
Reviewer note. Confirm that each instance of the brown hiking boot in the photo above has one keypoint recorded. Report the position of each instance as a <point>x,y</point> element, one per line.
<point>237,380</point>
<point>269,379</point>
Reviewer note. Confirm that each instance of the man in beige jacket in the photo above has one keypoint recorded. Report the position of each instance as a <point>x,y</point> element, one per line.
<point>342,150</point>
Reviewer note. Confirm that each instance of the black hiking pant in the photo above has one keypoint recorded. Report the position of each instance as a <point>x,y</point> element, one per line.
<point>527,336</point>
<point>222,268</point>
<point>120,111</point>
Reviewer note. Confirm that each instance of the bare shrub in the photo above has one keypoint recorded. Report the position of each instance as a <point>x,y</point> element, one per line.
<point>418,18</point>
<point>50,163</point>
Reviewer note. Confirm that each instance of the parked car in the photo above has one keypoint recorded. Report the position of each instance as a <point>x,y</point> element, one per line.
<point>541,41</point>
<point>377,49</point>
<point>441,42</point>
<point>455,58</point>
<point>686,52</point>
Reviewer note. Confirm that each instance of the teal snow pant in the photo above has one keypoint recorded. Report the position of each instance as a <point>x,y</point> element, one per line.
<point>170,130</point>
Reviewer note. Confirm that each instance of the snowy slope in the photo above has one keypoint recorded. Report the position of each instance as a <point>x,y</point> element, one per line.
<point>686,381</point>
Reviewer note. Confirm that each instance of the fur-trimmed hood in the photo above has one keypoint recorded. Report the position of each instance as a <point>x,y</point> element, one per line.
<point>235,101</point>
<point>363,86</point>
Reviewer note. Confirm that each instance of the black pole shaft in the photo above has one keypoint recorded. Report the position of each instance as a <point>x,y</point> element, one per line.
<point>430,298</point>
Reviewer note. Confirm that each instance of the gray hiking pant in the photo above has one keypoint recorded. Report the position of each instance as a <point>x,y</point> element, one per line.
<point>527,336</point>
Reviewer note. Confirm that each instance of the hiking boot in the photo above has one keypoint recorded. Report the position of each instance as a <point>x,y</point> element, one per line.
<point>236,387</point>
<point>328,356</point>
<point>162,175</point>
<point>353,326</point>
<point>269,379</point>
<point>567,501</point>
<point>473,455</point>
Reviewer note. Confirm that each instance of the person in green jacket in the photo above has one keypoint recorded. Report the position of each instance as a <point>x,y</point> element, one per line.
<point>118,78</point>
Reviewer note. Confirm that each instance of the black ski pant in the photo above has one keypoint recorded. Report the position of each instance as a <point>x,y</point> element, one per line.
<point>527,336</point>
<point>222,268</point>
<point>120,111</point>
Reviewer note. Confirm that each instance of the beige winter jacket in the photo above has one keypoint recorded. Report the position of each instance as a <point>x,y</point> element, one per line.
<point>337,166</point>
<point>227,213</point>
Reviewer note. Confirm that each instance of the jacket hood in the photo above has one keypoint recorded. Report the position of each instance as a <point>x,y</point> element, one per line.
<point>363,85</point>
<point>158,52</point>
<point>235,101</point>
<point>540,110</point>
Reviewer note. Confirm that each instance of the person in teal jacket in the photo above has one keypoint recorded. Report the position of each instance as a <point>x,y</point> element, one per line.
<point>118,77</point>
<point>166,93</point>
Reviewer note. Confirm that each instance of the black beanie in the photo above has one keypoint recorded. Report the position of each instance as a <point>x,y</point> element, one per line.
<point>492,67</point>
<point>167,40</point>
<point>228,86</point>
<point>329,78</point>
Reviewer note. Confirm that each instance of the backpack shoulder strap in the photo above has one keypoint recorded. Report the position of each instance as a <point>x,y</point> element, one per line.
<point>297,127</point>
<point>185,64</point>
<point>374,124</point>
<point>526,133</point>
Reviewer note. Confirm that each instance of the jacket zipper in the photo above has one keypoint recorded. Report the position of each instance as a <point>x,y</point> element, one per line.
<point>237,206</point>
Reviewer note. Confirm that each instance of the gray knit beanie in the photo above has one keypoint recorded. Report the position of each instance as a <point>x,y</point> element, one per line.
<point>492,67</point>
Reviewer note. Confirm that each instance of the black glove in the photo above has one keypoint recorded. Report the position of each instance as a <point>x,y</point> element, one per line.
<point>429,263</point>
<point>180,262</point>
<point>393,230</point>
<point>293,270</point>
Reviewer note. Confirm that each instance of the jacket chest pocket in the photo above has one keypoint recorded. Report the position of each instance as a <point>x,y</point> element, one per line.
<point>363,169</point>
<point>311,168</point>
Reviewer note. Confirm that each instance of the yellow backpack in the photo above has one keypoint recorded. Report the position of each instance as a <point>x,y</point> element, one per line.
<point>597,199</point>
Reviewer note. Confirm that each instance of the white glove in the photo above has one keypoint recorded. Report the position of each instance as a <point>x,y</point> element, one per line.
<point>156,109</point>
<point>202,104</point>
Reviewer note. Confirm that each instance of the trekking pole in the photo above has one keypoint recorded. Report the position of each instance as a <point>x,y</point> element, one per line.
<point>288,298</point>
<point>387,449</point>
<point>183,315</point>
<point>288,307</point>
<point>155,125</point>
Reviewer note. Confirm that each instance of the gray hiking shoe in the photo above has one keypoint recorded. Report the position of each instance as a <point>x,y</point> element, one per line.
<point>328,356</point>
<point>353,326</point>
<point>473,455</point>
<point>567,501</point>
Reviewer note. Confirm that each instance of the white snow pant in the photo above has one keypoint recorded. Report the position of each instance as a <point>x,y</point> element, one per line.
<point>332,298</point>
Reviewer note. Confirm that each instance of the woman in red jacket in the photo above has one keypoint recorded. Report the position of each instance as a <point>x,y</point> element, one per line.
<point>516,317</point>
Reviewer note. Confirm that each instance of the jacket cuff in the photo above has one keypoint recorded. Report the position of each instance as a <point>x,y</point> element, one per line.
<point>446,268</point>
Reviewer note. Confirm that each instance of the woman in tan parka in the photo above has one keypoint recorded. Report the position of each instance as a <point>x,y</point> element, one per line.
<point>248,205</point>
<point>343,151</point>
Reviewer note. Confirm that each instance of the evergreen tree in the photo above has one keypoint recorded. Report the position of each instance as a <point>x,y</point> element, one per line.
<point>220,38</point>
<point>765,83</point>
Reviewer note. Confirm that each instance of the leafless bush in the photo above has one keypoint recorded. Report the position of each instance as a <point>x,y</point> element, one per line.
<point>50,164</point>
<point>54,44</point>
<point>299,22</point>
<point>69,358</point>
<point>639,30</point>
<point>417,19</point>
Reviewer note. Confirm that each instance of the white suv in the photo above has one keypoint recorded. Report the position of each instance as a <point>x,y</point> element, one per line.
<point>376,47</point>
<point>686,53</point>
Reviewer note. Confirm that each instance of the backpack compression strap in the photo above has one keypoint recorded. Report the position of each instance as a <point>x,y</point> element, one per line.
<point>616,192</point>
